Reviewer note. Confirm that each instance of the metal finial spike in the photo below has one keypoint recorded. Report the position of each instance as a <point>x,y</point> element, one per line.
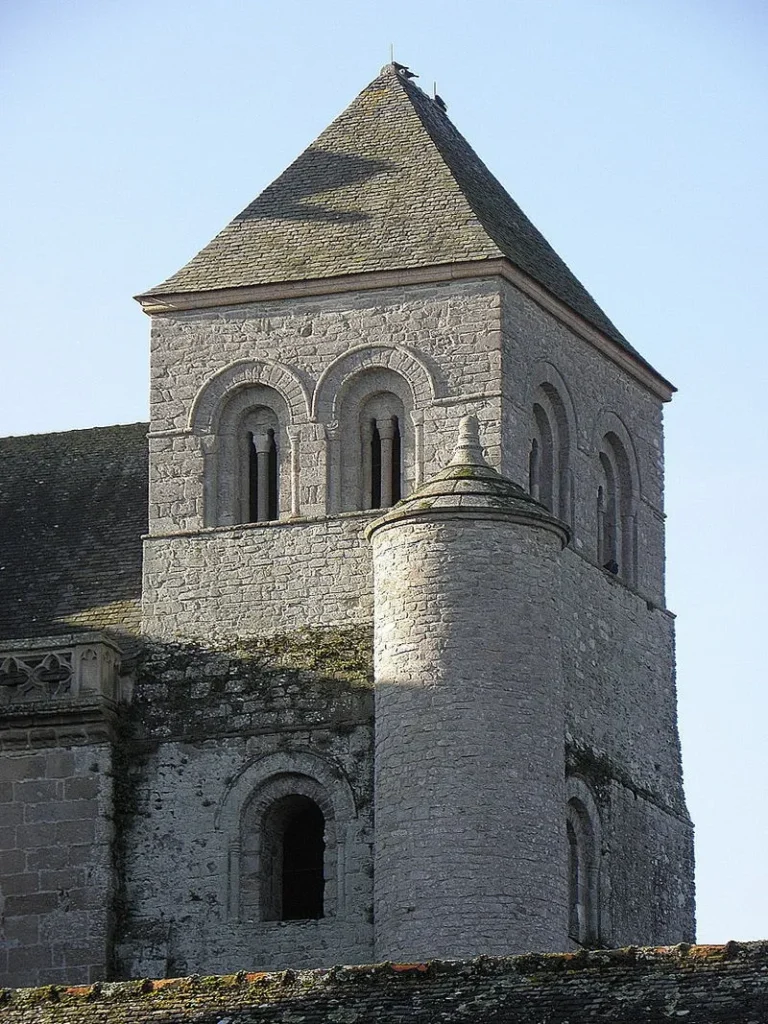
<point>469,451</point>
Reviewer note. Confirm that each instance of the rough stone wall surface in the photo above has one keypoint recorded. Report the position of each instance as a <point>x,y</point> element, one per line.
<point>596,394</point>
<point>205,730</point>
<point>209,728</point>
<point>617,639</point>
<point>470,843</point>
<point>258,579</point>
<point>56,870</point>
<point>443,338</point>
<point>618,655</point>
<point>698,984</point>
<point>459,347</point>
<point>648,865</point>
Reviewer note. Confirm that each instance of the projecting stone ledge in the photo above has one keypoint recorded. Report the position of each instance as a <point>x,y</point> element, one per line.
<point>695,984</point>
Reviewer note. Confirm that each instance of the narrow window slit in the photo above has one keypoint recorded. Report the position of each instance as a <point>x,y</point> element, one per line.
<point>396,462</point>
<point>375,466</point>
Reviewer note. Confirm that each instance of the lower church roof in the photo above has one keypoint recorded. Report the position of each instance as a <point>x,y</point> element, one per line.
<point>695,984</point>
<point>73,508</point>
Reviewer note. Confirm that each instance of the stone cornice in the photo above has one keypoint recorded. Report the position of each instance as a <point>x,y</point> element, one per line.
<point>57,724</point>
<point>634,365</point>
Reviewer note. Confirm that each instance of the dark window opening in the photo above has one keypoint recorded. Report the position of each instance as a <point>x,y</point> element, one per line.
<point>291,860</point>
<point>533,470</point>
<point>302,862</point>
<point>272,470</point>
<point>262,478</point>
<point>396,450</point>
<point>583,879</point>
<point>375,466</point>
<point>386,462</point>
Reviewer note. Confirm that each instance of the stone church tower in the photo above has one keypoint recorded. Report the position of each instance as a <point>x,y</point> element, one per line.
<point>402,682</point>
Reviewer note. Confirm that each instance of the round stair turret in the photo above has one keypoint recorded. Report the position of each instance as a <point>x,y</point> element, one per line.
<point>470,852</point>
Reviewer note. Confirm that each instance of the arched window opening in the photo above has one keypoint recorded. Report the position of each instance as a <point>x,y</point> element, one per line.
<point>575,886</point>
<point>607,518</point>
<point>247,479</point>
<point>547,458</point>
<point>259,485</point>
<point>583,877</point>
<point>549,455</point>
<point>616,517</point>
<point>381,451</point>
<point>376,449</point>
<point>293,854</point>
<point>262,476</point>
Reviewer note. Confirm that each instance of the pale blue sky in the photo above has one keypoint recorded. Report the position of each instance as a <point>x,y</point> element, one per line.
<point>634,134</point>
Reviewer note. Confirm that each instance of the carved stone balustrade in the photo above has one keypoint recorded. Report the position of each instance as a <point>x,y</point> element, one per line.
<point>66,682</point>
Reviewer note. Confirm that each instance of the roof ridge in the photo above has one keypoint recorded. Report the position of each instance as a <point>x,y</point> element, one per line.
<point>408,85</point>
<point>495,229</point>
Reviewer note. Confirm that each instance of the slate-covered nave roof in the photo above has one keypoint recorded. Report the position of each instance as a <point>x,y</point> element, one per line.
<point>389,185</point>
<point>73,508</point>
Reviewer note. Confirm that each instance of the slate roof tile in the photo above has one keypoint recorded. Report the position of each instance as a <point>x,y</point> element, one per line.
<point>73,508</point>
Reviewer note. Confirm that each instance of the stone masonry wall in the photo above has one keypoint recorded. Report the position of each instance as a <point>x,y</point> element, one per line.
<point>622,740</point>
<point>538,348</point>
<point>444,339</point>
<point>209,727</point>
<point>257,579</point>
<point>617,638</point>
<point>56,870</point>
<point>452,343</point>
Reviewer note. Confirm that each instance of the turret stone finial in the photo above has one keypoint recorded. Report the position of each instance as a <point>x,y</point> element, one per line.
<point>469,451</point>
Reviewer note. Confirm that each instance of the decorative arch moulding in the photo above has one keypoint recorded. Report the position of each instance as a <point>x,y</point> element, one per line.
<point>220,389</point>
<point>399,359</point>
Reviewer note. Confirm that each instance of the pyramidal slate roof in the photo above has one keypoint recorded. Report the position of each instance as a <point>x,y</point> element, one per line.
<point>389,185</point>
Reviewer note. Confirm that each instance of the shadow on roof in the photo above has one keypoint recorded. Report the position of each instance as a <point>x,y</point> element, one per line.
<point>316,172</point>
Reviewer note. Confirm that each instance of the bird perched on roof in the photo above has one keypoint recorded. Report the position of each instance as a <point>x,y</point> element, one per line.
<point>441,102</point>
<point>401,69</point>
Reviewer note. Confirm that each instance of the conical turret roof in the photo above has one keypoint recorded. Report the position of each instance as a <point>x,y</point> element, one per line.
<point>389,185</point>
<point>468,486</point>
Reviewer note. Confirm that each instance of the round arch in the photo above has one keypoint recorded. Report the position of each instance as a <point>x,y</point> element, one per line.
<point>335,378</point>
<point>608,422</point>
<point>243,811</point>
<point>217,392</point>
<point>545,374</point>
<point>584,834</point>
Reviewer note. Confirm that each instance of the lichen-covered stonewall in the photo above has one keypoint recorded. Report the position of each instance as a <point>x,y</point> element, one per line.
<point>367,656</point>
